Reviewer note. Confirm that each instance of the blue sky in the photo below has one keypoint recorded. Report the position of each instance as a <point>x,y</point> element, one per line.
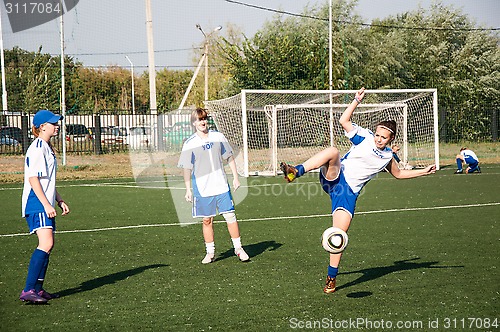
<point>101,32</point>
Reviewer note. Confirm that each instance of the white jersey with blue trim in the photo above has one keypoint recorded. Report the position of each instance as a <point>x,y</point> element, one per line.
<point>469,154</point>
<point>364,160</point>
<point>41,162</point>
<point>204,156</point>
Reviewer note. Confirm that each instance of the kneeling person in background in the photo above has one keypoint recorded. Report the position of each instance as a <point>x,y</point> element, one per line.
<point>469,157</point>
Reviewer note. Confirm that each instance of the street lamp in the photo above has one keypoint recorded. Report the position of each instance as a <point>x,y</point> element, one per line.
<point>207,42</point>
<point>133,94</point>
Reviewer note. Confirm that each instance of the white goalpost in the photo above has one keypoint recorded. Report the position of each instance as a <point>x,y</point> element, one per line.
<point>266,127</point>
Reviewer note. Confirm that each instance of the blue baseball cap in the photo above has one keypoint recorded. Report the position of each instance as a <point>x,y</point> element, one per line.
<point>45,116</point>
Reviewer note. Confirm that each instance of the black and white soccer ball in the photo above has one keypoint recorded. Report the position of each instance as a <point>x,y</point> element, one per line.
<point>334,240</point>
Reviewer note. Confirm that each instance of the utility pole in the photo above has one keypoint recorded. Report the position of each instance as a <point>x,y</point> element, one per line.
<point>204,59</point>
<point>151,59</point>
<point>330,65</point>
<point>133,92</point>
<point>63,92</point>
<point>207,42</point>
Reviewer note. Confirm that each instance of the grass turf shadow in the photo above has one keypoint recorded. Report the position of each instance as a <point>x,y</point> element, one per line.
<point>252,249</point>
<point>107,280</point>
<point>373,273</point>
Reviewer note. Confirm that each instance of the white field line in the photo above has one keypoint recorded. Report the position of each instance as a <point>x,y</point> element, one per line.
<point>133,184</point>
<point>181,185</point>
<point>265,219</point>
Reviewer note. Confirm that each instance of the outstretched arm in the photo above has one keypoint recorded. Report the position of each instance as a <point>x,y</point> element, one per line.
<point>345,119</point>
<point>393,168</point>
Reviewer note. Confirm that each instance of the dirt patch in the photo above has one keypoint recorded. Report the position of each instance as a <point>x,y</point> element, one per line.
<point>77,167</point>
<point>89,167</point>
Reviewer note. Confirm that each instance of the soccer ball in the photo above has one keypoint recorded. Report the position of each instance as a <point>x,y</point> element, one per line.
<point>334,240</point>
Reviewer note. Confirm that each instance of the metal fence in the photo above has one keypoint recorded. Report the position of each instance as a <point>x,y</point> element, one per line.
<point>87,133</point>
<point>469,125</point>
<point>101,133</point>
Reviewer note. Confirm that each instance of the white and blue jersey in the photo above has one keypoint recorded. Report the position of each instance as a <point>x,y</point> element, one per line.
<point>364,160</point>
<point>470,157</point>
<point>41,162</point>
<point>358,166</point>
<point>204,156</point>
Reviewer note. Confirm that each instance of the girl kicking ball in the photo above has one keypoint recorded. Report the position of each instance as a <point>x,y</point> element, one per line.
<point>343,178</point>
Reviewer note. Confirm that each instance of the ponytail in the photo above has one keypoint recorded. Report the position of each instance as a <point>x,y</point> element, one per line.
<point>35,131</point>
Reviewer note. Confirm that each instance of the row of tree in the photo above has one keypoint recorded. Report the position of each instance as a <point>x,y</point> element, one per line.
<point>440,48</point>
<point>33,81</point>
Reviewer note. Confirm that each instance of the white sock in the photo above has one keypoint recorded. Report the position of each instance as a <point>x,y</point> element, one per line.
<point>236,242</point>
<point>210,246</point>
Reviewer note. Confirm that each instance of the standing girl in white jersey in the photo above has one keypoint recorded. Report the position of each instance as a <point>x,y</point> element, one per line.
<point>202,159</point>
<point>38,201</point>
<point>343,178</point>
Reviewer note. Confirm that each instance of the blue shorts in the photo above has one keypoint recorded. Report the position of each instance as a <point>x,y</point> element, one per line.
<point>341,194</point>
<point>40,220</point>
<point>472,163</point>
<point>208,206</point>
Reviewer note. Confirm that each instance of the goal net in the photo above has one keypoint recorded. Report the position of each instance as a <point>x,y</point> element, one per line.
<point>266,127</point>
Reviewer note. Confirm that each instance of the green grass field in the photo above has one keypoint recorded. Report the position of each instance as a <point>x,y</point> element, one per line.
<point>423,255</point>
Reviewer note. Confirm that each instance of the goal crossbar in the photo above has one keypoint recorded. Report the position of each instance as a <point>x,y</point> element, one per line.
<point>269,126</point>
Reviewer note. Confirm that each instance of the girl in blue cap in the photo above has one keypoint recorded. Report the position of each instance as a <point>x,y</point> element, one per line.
<point>38,202</point>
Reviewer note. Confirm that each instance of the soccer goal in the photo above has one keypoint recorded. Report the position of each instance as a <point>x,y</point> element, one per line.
<point>266,127</point>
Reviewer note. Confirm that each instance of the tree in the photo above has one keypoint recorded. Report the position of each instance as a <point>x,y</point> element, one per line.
<point>32,78</point>
<point>438,48</point>
<point>171,85</point>
<point>292,52</point>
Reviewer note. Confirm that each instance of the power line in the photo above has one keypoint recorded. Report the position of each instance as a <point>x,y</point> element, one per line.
<point>136,52</point>
<point>354,23</point>
<point>275,10</point>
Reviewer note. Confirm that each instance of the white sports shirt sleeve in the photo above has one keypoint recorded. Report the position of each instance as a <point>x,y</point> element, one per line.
<point>205,158</point>
<point>469,154</point>
<point>41,162</point>
<point>364,160</point>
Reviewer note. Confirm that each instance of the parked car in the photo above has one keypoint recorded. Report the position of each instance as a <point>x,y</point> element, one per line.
<point>77,132</point>
<point>139,138</point>
<point>113,135</point>
<point>118,134</point>
<point>6,140</point>
<point>177,134</point>
<point>12,132</point>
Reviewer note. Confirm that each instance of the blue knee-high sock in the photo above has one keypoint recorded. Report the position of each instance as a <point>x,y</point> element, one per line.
<point>300,170</point>
<point>332,271</point>
<point>41,276</point>
<point>459,164</point>
<point>36,265</point>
